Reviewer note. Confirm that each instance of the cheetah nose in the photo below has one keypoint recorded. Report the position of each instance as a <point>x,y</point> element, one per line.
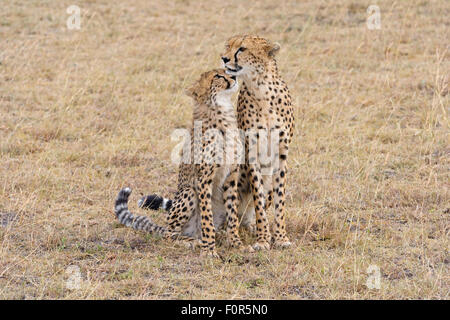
<point>225,59</point>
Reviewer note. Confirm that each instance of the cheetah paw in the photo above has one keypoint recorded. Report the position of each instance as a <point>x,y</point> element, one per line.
<point>282,244</point>
<point>261,245</point>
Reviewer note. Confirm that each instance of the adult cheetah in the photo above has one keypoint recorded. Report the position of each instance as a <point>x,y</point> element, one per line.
<point>264,108</point>
<point>207,184</point>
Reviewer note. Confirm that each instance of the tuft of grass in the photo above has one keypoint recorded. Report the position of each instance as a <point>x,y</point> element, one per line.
<point>86,112</point>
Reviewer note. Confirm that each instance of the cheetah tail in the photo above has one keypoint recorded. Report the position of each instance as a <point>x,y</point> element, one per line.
<point>136,222</point>
<point>154,202</point>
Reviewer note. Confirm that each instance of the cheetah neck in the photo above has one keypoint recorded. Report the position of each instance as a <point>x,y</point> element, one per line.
<point>220,111</point>
<point>258,83</point>
<point>224,110</point>
<point>223,103</point>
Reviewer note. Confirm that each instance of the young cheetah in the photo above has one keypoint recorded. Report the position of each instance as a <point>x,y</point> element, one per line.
<point>264,106</point>
<point>207,184</point>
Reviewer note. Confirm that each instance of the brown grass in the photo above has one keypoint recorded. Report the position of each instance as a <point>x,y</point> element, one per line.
<point>84,113</point>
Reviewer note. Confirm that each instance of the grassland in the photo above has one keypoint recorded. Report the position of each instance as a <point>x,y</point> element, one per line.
<point>86,112</point>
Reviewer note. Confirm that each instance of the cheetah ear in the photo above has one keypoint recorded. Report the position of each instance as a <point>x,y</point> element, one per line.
<point>192,92</point>
<point>273,48</point>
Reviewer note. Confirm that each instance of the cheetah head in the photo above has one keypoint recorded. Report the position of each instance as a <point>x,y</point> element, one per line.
<point>213,86</point>
<point>247,54</point>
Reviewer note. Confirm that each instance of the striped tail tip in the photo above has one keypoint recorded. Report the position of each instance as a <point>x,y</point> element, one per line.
<point>122,201</point>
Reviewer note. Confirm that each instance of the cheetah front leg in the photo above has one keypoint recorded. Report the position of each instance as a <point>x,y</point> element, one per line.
<point>263,237</point>
<point>279,186</point>
<point>269,200</point>
<point>230,197</point>
<point>204,191</point>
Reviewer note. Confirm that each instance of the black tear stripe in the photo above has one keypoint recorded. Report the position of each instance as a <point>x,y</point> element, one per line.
<point>235,56</point>
<point>236,53</point>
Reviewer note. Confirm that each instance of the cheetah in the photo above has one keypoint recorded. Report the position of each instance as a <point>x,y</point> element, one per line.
<point>206,197</point>
<point>264,106</point>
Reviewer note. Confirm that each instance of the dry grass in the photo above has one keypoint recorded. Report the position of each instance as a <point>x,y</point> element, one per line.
<point>83,113</point>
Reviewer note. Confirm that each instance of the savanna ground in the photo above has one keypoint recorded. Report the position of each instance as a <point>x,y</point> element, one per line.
<point>86,112</point>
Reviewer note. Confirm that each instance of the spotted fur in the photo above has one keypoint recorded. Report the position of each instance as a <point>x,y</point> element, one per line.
<point>264,103</point>
<point>206,197</point>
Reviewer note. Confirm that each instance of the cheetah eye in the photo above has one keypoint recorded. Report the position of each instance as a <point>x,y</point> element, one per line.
<point>241,49</point>
<point>218,76</point>
<point>224,80</point>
